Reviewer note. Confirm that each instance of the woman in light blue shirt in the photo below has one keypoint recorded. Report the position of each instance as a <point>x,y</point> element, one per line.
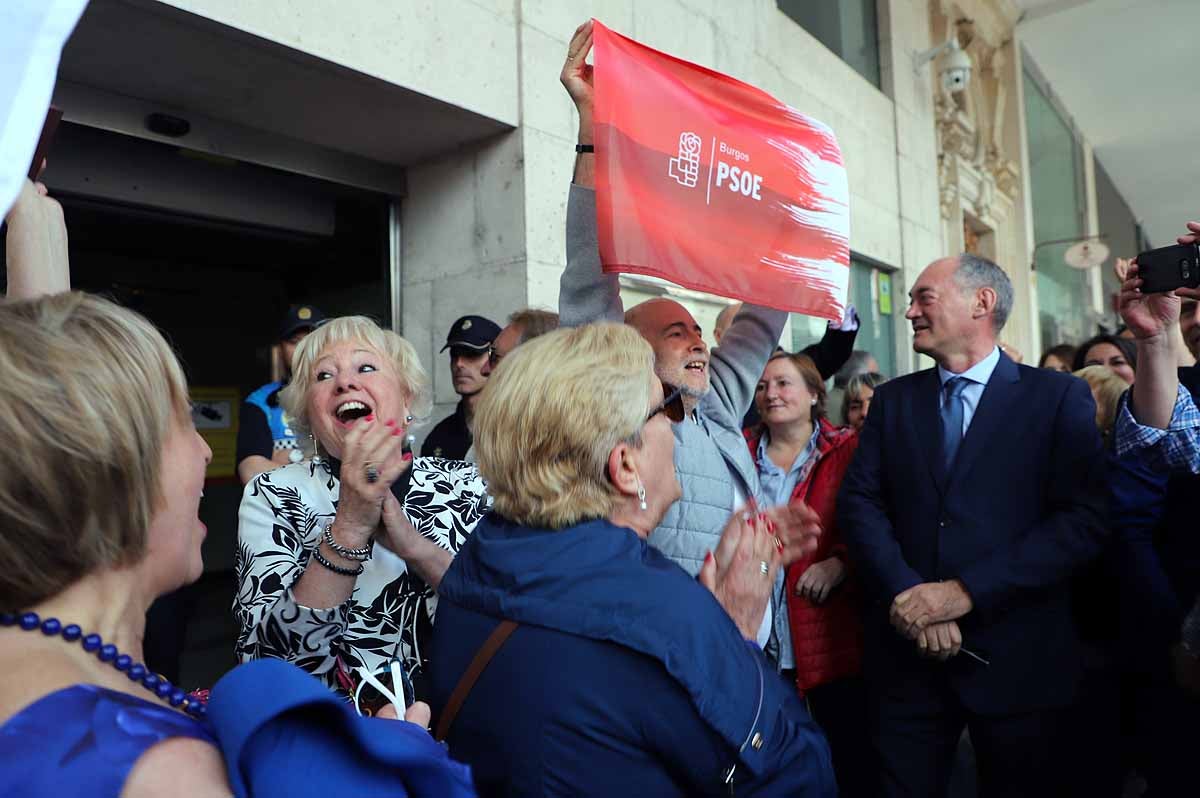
<point>801,458</point>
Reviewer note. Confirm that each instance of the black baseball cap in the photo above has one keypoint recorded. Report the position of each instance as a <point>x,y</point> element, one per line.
<point>472,332</point>
<point>300,317</point>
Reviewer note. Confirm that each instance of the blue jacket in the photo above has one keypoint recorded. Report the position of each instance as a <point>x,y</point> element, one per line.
<point>284,734</point>
<point>1022,508</point>
<point>625,676</point>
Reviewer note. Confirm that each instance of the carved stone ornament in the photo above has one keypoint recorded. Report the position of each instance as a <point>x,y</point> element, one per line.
<point>947,187</point>
<point>972,164</point>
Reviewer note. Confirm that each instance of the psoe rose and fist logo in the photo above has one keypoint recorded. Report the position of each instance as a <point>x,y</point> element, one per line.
<point>686,168</point>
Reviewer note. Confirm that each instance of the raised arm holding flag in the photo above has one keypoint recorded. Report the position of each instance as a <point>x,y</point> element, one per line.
<point>715,469</point>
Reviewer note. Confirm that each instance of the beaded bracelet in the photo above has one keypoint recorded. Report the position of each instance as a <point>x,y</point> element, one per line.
<point>337,569</point>
<point>362,555</point>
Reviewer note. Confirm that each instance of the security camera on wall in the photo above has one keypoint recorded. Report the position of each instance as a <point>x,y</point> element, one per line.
<point>956,65</point>
<point>956,69</point>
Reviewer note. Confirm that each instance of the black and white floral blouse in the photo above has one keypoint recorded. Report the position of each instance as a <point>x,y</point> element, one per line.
<point>390,613</point>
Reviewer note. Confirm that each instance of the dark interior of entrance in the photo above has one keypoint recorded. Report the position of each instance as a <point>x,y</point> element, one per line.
<point>217,282</point>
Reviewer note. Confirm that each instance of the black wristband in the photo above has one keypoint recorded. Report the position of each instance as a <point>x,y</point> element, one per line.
<point>337,569</point>
<point>585,148</point>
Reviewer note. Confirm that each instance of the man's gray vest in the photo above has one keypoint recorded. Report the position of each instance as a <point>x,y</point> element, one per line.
<point>707,455</point>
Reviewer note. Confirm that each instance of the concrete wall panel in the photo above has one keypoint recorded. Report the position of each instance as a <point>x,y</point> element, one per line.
<point>460,51</point>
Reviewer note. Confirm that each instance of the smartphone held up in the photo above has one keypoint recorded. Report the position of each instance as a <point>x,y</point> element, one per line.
<point>1168,268</point>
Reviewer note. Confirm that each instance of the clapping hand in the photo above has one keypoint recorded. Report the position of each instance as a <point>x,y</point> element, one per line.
<point>401,536</point>
<point>373,460</point>
<point>741,574</point>
<point>798,528</point>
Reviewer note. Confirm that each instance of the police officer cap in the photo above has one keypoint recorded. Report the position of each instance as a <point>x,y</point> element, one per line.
<point>300,317</point>
<point>472,332</point>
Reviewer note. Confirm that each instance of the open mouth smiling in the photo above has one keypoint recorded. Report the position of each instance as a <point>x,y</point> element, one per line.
<point>349,412</point>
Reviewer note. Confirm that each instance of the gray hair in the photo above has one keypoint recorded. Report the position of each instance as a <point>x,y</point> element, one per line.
<point>533,323</point>
<point>855,387</point>
<point>855,364</point>
<point>974,272</point>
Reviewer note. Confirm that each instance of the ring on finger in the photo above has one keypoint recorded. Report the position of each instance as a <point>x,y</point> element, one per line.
<point>372,474</point>
<point>763,567</point>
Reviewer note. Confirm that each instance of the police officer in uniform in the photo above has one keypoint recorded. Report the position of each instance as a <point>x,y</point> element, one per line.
<point>470,344</point>
<point>265,441</point>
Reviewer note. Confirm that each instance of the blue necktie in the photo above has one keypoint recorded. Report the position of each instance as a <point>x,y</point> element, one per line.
<point>952,420</point>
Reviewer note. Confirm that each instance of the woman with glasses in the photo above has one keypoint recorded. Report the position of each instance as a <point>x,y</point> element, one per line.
<point>602,667</point>
<point>801,459</point>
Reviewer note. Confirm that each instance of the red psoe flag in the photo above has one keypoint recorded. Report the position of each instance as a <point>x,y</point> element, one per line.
<point>715,185</point>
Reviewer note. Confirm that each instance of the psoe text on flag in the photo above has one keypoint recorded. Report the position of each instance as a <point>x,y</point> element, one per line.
<point>715,185</point>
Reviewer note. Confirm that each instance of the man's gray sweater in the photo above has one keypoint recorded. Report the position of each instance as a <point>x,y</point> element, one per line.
<point>711,456</point>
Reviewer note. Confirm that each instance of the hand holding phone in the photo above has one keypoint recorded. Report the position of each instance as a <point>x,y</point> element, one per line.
<point>1167,268</point>
<point>1147,314</point>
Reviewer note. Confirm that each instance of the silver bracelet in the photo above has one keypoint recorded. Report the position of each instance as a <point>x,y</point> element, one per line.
<point>360,555</point>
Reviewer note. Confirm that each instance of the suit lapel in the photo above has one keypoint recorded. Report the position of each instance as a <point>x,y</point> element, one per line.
<point>995,406</point>
<point>928,425</point>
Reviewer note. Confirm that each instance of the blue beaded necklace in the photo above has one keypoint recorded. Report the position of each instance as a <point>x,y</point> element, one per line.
<point>107,652</point>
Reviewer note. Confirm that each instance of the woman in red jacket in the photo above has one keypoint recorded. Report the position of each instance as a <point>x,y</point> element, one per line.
<point>801,457</point>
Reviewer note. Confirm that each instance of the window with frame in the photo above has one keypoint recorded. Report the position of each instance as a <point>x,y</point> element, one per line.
<point>849,28</point>
<point>1056,192</point>
<point>871,294</point>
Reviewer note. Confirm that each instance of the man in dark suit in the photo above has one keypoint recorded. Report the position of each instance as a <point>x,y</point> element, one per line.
<point>977,489</point>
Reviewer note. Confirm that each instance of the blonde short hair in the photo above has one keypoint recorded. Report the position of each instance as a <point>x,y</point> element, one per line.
<point>1108,388</point>
<point>550,415</point>
<point>88,397</point>
<point>414,380</point>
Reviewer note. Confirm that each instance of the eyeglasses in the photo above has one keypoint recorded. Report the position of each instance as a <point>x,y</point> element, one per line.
<point>494,357</point>
<point>672,405</point>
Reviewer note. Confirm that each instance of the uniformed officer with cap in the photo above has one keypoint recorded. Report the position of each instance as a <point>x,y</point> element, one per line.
<point>470,344</point>
<point>265,440</point>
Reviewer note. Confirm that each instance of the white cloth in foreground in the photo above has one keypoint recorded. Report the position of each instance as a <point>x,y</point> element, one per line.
<point>32,35</point>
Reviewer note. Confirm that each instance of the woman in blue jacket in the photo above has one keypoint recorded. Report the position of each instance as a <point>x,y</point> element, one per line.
<point>624,676</point>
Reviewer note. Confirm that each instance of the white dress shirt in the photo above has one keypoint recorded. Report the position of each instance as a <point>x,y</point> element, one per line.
<point>977,379</point>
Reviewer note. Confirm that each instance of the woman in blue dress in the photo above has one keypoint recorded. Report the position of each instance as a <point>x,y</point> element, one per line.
<point>101,476</point>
